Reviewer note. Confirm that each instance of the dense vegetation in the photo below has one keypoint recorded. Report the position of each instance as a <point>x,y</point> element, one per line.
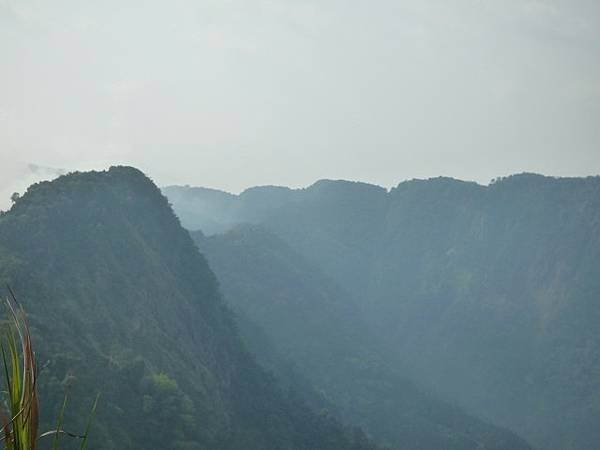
<point>121,302</point>
<point>487,295</point>
<point>311,322</point>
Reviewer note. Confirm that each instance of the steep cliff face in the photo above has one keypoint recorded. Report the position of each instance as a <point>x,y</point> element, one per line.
<point>121,302</point>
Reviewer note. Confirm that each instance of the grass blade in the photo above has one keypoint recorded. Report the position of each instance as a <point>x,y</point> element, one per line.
<point>89,424</point>
<point>61,416</point>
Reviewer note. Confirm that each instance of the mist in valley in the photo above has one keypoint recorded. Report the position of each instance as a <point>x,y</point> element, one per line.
<point>301,225</point>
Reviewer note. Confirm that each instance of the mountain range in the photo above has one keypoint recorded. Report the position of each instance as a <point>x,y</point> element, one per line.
<point>485,296</point>
<point>120,302</point>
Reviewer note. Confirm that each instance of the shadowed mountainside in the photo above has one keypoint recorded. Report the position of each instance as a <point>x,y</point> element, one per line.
<point>313,323</point>
<point>487,294</point>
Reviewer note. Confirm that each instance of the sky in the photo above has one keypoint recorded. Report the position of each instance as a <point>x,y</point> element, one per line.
<point>236,93</point>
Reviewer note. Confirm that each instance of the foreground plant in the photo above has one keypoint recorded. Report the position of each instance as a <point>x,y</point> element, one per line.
<point>21,424</point>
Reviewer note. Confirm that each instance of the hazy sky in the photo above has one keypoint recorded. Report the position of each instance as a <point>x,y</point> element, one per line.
<point>234,93</point>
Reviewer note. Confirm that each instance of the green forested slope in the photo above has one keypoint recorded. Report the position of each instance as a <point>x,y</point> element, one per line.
<point>312,322</point>
<point>489,295</point>
<point>121,302</point>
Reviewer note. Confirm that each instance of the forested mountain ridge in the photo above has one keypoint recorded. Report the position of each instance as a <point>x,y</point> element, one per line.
<point>121,302</point>
<point>487,294</point>
<point>313,322</point>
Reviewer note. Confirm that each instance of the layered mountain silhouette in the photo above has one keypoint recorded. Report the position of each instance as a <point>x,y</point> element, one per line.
<point>121,302</point>
<point>486,295</point>
<point>313,324</point>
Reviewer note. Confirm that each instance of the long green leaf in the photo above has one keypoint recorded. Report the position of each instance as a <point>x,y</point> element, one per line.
<point>89,424</point>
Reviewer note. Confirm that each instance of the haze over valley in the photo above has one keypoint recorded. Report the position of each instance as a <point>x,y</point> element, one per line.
<point>283,225</point>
